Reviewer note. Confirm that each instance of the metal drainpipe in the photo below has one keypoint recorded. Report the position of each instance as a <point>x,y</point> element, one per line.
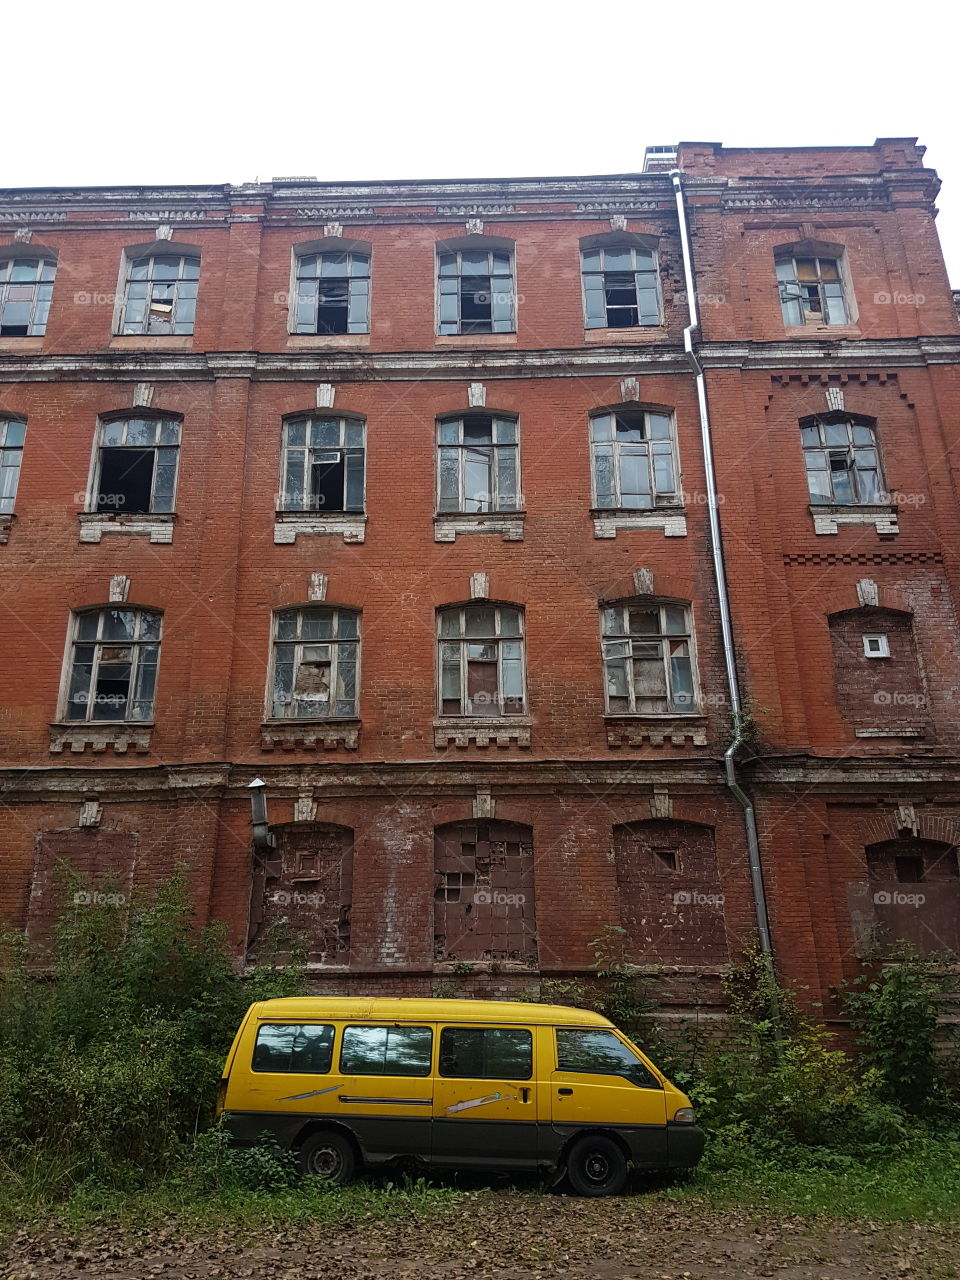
<point>720,575</point>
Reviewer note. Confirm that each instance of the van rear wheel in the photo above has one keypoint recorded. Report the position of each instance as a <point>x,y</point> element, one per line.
<point>329,1156</point>
<point>596,1166</point>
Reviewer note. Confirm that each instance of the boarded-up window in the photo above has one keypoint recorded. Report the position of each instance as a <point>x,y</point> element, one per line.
<point>302,894</point>
<point>75,869</point>
<point>671,902</point>
<point>483,901</point>
<point>911,894</point>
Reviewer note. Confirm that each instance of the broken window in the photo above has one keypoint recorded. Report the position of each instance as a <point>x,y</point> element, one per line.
<point>811,291</point>
<point>137,465</point>
<point>323,464</point>
<point>634,460</point>
<point>842,458</point>
<point>620,287</point>
<point>333,293</point>
<point>12,432</point>
<point>476,291</point>
<point>479,463</point>
<point>316,657</point>
<point>113,665</point>
<point>26,287</point>
<point>648,659</point>
<point>160,294</point>
<point>483,900</point>
<point>481,660</point>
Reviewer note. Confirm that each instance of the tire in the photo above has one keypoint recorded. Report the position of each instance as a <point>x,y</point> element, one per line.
<point>596,1166</point>
<point>330,1156</point>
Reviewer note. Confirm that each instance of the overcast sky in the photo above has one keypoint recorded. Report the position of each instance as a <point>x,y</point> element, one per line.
<point>214,92</point>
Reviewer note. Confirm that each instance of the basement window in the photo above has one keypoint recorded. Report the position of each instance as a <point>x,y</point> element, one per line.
<point>136,466</point>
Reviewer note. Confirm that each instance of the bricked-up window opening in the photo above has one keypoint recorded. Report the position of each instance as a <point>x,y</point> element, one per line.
<point>136,469</point>
<point>316,660</point>
<point>306,1047</point>
<point>490,915</point>
<point>160,294</point>
<point>634,456</point>
<point>476,291</point>
<point>479,464</point>
<point>301,897</point>
<point>620,287</point>
<point>113,665</point>
<point>874,694</point>
<point>481,661</point>
<point>811,291</point>
<point>911,860</point>
<point>648,659</point>
<point>333,293</point>
<point>322,465</point>
<point>12,433</point>
<point>26,288</point>
<point>842,458</point>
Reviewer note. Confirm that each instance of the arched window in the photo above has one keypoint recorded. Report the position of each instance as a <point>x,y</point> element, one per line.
<point>332,287</point>
<point>322,464</point>
<point>315,664</point>
<point>621,284</point>
<point>842,458</point>
<point>26,288</point>
<point>160,289</point>
<point>478,467</point>
<point>136,463</point>
<point>12,434</point>
<point>634,457</point>
<point>480,651</point>
<point>648,658</point>
<point>811,282</point>
<point>476,286</point>
<point>112,664</point>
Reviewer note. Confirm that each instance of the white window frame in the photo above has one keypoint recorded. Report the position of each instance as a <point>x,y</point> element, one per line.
<point>8,501</point>
<point>496,505</point>
<point>46,262</point>
<point>347,424</point>
<point>876,645</point>
<point>99,643</point>
<point>614,246</point>
<point>316,248</point>
<point>819,253</point>
<point>662,638</point>
<point>820,423</point>
<point>498,638</point>
<point>131,257</point>
<point>135,415</point>
<point>334,643</point>
<point>669,498</point>
<point>474,244</point>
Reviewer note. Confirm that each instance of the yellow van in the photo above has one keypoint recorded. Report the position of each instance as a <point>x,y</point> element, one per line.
<point>473,1084</point>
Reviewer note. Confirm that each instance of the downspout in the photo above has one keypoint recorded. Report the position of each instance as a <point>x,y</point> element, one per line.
<point>720,576</point>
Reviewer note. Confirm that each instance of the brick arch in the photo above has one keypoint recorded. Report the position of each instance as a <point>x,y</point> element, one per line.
<point>881,826</point>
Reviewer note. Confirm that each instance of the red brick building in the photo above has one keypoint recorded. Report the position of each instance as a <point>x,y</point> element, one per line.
<point>397,496</point>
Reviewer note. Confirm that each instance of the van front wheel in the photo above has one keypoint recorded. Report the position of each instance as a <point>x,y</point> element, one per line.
<point>329,1156</point>
<point>596,1166</point>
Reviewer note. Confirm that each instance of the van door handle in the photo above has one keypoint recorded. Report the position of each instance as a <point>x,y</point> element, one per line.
<point>524,1095</point>
<point>564,1092</point>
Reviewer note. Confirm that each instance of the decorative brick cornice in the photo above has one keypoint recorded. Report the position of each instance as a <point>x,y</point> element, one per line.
<point>481,731</point>
<point>94,524</point>
<point>635,731</point>
<point>98,737</point>
<point>310,736</point>
<point>607,523</point>
<point>447,525</point>
<point>290,525</point>
<point>828,517</point>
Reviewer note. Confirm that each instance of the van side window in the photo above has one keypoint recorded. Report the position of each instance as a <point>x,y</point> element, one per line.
<point>386,1051</point>
<point>289,1047</point>
<point>601,1053</point>
<point>486,1053</point>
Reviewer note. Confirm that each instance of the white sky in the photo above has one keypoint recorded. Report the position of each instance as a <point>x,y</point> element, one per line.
<point>102,92</point>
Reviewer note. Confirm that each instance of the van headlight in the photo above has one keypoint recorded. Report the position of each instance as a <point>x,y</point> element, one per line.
<point>684,1115</point>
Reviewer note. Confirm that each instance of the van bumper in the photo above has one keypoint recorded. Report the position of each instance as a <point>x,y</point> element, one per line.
<point>685,1143</point>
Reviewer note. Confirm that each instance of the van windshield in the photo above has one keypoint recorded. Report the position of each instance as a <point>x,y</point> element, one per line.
<point>597,1052</point>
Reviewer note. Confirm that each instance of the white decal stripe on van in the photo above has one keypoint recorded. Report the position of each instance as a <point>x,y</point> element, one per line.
<point>314,1093</point>
<point>481,1102</point>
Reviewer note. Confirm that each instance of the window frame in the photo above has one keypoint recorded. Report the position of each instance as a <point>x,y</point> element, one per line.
<point>334,642</point>
<point>8,501</point>
<point>161,419</point>
<point>388,1027</point>
<point>789,255</point>
<point>46,261</point>
<point>131,258</point>
<point>632,448</point>
<point>330,245</point>
<point>495,447</point>
<point>345,422</point>
<point>463,640</point>
<point>138,645</point>
<point>662,638</point>
<point>443,1028</point>
<point>290,1070</point>
<point>473,244</point>
<point>821,422</point>
<point>635,248</point>
<point>617,1075</point>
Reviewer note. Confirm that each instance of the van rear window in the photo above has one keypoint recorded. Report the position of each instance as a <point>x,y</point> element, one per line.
<point>486,1053</point>
<point>306,1047</point>
<point>386,1051</point>
<point>601,1053</point>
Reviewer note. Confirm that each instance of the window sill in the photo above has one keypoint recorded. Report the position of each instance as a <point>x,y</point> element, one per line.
<point>447,524</point>
<point>157,525</point>
<point>6,524</point>
<point>327,341</point>
<point>607,520</point>
<point>309,735</point>
<point>152,341</point>
<point>634,334</point>
<point>79,736</point>
<point>822,330</point>
<point>290,525</point>
<point>634,731</point>
<point>828,516</point>
<point>477,339</point>
<point>25,344</point>
<point>894,731</point>
<point>482,731</point>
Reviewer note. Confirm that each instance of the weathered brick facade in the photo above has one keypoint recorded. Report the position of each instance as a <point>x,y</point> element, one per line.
<point>417,847</point>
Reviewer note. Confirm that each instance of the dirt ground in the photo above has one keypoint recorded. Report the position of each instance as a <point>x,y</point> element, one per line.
<point>511,1236</point>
